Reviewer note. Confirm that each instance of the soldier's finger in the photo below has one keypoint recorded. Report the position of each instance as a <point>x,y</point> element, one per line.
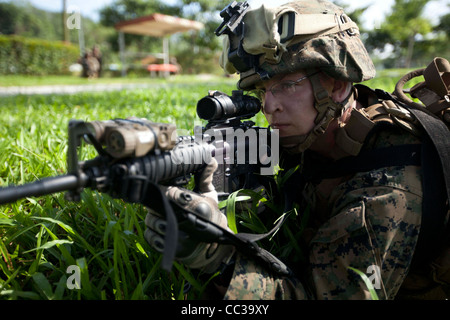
<point>154,240</point>
<point>156,224</point>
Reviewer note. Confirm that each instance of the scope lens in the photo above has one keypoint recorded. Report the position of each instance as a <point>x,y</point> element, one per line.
<point>209,108</point>
<point>222,106</point>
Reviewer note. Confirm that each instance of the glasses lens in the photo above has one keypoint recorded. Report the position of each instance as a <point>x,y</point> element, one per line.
<point>283,88</point>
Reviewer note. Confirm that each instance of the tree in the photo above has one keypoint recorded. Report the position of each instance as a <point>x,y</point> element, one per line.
<point>21,18</point>
<point>205,57</point>
<point>121,10</point>
<point>64,19</point>
<point>25,20</point>
<point>402,28</point>
<point>444,24</point>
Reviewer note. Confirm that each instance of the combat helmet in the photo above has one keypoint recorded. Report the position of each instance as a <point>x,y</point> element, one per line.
<point>307,35</point>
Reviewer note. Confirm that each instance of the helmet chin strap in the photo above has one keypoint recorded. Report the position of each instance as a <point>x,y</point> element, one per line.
<point>327,111</point>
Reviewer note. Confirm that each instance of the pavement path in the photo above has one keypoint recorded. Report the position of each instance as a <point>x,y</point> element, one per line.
<point>70,89</point>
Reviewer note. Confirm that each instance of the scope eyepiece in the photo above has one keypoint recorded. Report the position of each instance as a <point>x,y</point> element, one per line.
<point>219,106</point>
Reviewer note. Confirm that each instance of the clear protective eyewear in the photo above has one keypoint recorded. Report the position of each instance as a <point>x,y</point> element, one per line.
<point>282,89</point>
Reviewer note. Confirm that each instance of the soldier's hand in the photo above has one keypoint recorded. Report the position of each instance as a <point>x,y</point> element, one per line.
<point>190,251</point>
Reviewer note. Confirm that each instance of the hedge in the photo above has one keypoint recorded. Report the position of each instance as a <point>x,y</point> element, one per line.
<point>20,55</point>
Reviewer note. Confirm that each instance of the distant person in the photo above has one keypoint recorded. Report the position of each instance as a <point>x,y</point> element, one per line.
<point>98,55</point>
<point>91,66</point>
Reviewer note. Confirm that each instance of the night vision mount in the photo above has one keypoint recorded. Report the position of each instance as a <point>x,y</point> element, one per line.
<point>234,27</point>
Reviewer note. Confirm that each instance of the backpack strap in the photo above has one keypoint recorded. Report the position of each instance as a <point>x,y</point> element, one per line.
<point>435,182</point>
<point>351,137</point>
<point>434,207</point>
<point>367,160</point>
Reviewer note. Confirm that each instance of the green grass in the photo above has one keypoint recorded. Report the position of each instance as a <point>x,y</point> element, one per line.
<point>41,237</point>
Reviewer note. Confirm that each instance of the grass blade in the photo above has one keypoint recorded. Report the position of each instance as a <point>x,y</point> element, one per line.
<point>49,245</point>
<point>367,282</point>
<point>43,286</point>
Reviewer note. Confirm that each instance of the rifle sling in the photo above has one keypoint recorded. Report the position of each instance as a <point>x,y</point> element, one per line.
<point>154,198</point>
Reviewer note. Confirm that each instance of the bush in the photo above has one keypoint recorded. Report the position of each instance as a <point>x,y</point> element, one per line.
<point>19,55</point>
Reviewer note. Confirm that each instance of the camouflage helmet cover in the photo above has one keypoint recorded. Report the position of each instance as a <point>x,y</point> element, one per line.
<point>301,35</point>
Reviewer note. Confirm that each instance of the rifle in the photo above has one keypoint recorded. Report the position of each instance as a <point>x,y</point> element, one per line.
<point>136,155</point>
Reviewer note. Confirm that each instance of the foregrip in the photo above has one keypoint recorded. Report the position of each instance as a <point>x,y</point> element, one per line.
<point>128,179</point>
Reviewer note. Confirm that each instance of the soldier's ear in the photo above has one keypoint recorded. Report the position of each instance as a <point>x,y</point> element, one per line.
<point>341,90</point>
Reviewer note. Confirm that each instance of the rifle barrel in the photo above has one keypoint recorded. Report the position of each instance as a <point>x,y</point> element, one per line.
<point>38,188</point>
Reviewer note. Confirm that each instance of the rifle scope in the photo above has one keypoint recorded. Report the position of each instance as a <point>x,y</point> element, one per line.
<point>219,106</point>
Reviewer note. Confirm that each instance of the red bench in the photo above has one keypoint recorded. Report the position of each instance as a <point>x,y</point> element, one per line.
<point>161,68</point>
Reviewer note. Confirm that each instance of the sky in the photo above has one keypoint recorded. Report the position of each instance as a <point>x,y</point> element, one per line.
<point>373,16</point>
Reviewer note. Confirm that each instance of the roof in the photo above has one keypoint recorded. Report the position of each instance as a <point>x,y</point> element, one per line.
<point>158,25</point>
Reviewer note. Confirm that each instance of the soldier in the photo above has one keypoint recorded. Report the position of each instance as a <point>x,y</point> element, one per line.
<point>301,59</point>
<point>91,62</point>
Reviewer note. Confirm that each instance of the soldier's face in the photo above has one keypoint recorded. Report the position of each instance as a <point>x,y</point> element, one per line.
<point>290,109</point>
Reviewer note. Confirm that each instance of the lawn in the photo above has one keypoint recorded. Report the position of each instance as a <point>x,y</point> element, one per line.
<point>41,237</point>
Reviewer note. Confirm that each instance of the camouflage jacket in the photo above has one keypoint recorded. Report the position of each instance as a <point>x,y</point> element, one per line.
<point>369,221</point>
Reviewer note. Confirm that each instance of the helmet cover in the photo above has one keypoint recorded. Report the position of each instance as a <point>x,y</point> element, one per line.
<point>312,34</point>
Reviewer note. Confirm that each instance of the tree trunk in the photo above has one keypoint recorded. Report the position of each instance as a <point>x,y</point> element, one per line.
<point>409,53</point>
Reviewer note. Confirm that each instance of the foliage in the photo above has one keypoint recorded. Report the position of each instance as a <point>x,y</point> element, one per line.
<point>367,282</point>
<point>19,55</point>
<point>412,37</point>
<point>27,21</point>
<point>405,23</point>
<point>21,18</point>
